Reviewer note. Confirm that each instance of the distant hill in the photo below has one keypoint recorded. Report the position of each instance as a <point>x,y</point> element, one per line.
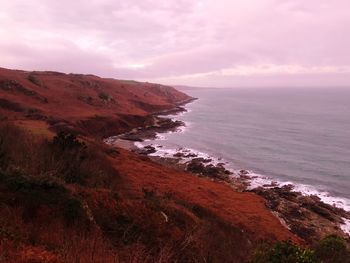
<point>74,101</point>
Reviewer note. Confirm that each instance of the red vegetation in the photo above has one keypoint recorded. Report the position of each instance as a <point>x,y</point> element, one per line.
<point>118,206</point>
<point>91,104</point>
<point>245,210</point>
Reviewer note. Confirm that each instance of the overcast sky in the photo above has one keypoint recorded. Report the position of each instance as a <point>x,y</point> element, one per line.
<point>203,43</point>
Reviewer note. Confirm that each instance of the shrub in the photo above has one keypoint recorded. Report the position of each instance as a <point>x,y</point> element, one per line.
<point>11,225</point>
<point>73,210</point>
<point>69,154</point>
<point>154,200</point>
<point>151,197</point>
<point>75,162</point>
<point>9,136</point>
<point>2,150</point>
<point>34,193</point>
<point>8,231</point>
<point>283,252</point>
<point>105,97</point>
<point>64,141</point>
<point>332,249</point>
<point>34,80</point>
<point>15,180</point>
<point>64,157</point>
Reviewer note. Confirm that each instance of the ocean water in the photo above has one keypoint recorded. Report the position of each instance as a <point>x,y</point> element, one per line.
<point>287,135</point>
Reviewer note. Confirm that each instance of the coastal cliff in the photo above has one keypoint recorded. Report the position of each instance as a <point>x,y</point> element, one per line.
<point>68,197</point>
<point>91,105</point>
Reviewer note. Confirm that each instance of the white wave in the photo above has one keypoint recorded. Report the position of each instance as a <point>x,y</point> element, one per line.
<point>160,137</point>
<point>258,180</point>
<point>325,196</point>
<point>187,154</point>
<point>110,140</point>
<point>178,114</point>
<point>163,152</point>
<point>138,144</point>
<point>179,129</point>
<point>182,129</point>
<point>346,226</point>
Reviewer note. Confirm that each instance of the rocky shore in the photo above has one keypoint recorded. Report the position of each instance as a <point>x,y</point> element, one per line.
<point>305,215</point>
<point>159,124</point>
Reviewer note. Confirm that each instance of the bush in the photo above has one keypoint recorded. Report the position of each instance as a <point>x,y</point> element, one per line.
<point>283,252</point>
<point>16,181</point>
<point>34,80</point>
<point>105,97</point>
<point>9,137</point>
<point>75,162</point>
<point>69,154</point>
<point>2,150</point>
<point>332,249</point>
<point>64,141</point>
<point>64,157</point>
<point>152,198</point>
<point>35,193</point>
<point>73,210</point>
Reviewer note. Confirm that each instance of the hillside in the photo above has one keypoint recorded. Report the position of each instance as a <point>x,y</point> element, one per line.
<point>82,102</point>
<point>75,199</point>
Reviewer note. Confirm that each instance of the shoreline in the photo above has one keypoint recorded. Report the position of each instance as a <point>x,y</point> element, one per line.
<point>305,215</point>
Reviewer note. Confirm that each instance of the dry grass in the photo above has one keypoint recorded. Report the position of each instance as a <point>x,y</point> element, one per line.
<point>55,220</point>
<point>40,128</point>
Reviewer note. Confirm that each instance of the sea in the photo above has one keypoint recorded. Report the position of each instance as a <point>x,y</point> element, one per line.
<point>298,136</point>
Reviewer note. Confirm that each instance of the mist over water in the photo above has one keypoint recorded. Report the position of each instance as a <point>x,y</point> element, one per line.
<point>298,135</point>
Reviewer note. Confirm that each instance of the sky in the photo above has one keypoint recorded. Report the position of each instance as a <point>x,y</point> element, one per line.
<point>221,43</point>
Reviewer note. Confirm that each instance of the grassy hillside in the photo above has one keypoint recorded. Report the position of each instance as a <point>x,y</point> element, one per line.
<point>65,196</point>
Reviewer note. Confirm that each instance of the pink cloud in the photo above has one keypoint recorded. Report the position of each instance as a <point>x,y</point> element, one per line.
<point>189,41</point>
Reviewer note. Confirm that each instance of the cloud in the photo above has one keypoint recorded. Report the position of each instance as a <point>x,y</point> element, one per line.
<point>191,41</point>
<point>266,75</point>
